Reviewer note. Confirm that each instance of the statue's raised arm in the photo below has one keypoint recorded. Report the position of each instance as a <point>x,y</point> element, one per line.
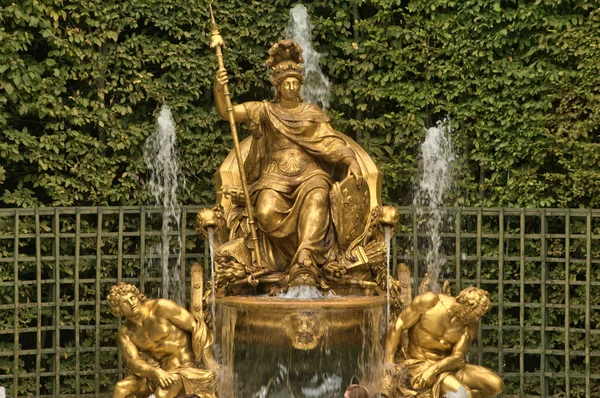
<point>239,112</point>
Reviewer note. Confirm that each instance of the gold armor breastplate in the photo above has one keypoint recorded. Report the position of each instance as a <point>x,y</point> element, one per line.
<point>290,162</point>
<point>287,158</point>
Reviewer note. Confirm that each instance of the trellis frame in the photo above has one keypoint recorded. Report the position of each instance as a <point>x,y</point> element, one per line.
<point>467,234</point>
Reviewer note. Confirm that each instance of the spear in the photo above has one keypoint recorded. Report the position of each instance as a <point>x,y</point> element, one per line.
<point>217,42</point>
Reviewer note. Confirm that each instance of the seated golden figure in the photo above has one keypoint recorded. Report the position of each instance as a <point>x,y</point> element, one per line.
<point>307,187</point>
<point>441,330</point>
<point>162,344</point>
<point>285,168</point>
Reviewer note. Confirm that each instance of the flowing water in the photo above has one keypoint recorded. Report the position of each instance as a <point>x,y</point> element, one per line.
<point>388,240</point>
<point>303,293</point>
<point>436,181</point>
<point>211,247</point>
<point>460,393</point>
<point>165,182</point>
<point>316,87</point>
<point>281,348</point>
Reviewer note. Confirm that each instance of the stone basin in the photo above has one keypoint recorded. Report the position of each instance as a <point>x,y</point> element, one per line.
<point>280,347</point>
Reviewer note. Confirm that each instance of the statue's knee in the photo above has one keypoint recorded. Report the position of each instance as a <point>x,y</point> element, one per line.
<point>320,197</point>
<point>496,385</point>
<point>265,208</point>
<point>160,392</point>
<point>122,389</point>
<point>263,215</point>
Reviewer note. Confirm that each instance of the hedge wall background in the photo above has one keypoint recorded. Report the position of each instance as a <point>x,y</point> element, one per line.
<point>80,83</point>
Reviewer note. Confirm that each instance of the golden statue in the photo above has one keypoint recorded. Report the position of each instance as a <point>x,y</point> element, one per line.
<point>162,344</point>
<point>289,168</point>
<point>441,330</point>
<point>314,192</point>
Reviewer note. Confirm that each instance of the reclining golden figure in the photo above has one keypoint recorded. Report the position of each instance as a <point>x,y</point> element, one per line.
<point>441,330</point>
<point>162,344</point>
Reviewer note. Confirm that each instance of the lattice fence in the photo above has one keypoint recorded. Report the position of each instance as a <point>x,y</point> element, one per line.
<point>58,337</point>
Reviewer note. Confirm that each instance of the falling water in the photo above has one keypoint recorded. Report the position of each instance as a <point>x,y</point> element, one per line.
<point>388,239</point>
<point>316,85</point>
<point>330,384</point>
<point>283,349</point>
<point>303,293</point>
<point>211,247</point>
<point>228,317</point>
<point>460,393</point>
<point>436,180</point>
<point>165,181</point>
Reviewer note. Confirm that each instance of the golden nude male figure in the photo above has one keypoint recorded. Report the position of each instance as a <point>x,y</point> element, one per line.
<point>167,335</point>
<point>441,329</point>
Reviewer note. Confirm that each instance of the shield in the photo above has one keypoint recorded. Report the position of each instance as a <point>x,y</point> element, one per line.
<point>350,208</point>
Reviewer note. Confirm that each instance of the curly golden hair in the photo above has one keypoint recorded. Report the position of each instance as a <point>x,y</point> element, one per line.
<point>116,295</point>
<point>358,391</point>
<point>475,303</point>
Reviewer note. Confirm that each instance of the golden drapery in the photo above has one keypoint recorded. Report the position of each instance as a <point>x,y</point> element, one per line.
<point>288,168</point>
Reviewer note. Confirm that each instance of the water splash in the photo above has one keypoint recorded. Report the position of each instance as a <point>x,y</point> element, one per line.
<point>165,182</point>
<point>304,293</point>
<point>460,393</point>
<point>436,180</point>
<point>316,87</point>
<point>388,240</point>
<point>211,248</point>
<point>330,385</point>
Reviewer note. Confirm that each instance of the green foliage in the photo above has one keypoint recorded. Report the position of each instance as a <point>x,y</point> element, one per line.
<point>81,83</point>
<point>83,286</point>
<point>541,294</point>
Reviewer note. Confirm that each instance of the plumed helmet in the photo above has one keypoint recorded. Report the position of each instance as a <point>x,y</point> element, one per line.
<point>284,61</point>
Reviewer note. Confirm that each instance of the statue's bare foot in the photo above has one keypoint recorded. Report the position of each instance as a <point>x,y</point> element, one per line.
<point>304,259</point>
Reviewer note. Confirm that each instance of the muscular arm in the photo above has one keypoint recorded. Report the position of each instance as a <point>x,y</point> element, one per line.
<point>239,111</point>
<point>407,319</point>
<point>181,318</point>
<point>459,351</point>
<point>132,356</point>
<point>176,314</point>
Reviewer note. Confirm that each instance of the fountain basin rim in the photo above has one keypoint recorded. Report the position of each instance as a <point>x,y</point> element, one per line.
<point>341,302</point>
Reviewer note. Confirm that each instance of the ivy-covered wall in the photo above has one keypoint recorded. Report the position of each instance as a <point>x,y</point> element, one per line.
<point>80,83</point>
<point>519,81</point>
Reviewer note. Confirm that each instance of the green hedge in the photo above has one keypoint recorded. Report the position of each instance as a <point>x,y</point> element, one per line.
<point>520,81</point>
